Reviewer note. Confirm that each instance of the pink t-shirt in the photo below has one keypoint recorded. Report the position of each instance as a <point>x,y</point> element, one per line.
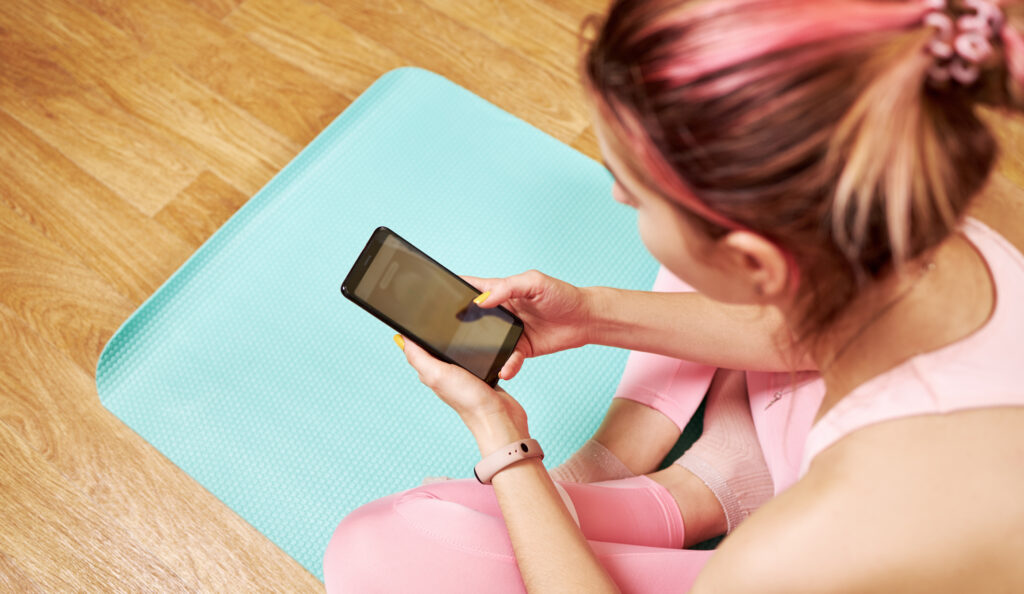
<point>979,371</point>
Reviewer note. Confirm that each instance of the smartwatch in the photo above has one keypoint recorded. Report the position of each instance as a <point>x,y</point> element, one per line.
<point>514,452</point>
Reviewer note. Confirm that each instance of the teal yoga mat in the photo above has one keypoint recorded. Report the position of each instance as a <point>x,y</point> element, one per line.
<point>251,372</point>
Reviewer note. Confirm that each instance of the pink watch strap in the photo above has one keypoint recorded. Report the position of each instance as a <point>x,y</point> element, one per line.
<point>514,452</point>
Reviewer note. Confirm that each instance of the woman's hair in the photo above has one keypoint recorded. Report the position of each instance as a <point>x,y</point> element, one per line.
<point>818,124</point>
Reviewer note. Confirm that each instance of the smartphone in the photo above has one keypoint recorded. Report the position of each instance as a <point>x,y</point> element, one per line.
<point>425,302</point>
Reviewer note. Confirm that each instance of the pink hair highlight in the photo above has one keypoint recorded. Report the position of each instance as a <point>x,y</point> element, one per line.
<point>755,28</point>
<point>785,26</point>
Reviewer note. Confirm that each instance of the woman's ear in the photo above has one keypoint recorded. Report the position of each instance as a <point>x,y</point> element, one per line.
<point>760,267</point>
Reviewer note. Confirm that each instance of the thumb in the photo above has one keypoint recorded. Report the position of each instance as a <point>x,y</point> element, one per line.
<point>520,286</point>
<point>512,366</point>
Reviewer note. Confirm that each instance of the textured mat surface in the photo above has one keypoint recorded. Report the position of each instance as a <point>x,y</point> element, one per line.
<point>251,372</point>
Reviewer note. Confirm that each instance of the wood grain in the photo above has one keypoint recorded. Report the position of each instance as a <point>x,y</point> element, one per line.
<point>55,293</point>
<point>13,579</point>
<point>533,29</point>
<point>218,9</point>
<point>129,132</point>
<point>586,143</point>
<point>286,98</point>
<point>201,208</point>
<point>133,252</point>
<point>426,37</point>
<point>92,551</point>
<point>306,34</point>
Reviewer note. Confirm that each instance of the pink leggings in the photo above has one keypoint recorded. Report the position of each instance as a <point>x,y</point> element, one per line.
<point>450,537</point>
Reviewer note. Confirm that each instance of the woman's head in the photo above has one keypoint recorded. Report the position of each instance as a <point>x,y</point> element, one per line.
<point>826,129</point>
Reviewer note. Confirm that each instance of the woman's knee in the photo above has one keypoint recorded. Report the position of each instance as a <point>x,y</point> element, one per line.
<point>358,547</point>
<point>425,535</point>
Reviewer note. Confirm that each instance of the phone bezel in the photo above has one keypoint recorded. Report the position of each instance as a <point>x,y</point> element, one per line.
<point>362,264</point>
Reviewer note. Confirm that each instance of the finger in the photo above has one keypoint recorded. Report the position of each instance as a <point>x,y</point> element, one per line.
<point>485,286</point>
<point>481,284</point>
<point>512,366</point>
<point>437,375</point>
<point>520,286</point>
<point>423,362</point>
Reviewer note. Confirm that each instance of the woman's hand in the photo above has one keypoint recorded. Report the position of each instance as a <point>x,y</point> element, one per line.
<point>491,414</point>
<point>555,314</point>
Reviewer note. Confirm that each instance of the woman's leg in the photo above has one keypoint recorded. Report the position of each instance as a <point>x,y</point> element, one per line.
<point>655,398</point>
<point>450,537</point>
<point>728,458</point>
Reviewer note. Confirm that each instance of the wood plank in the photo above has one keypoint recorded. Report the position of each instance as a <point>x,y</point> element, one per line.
<point>577,10</point>
<point>307,35</point>
<point>288,99</point>
<point>91,551</point>
<point>157,94</point>
<point>62,300</point>
<point>218,9</point>
<point>546,36</point>
<point>586,143</point>
<point>13,579</point>
<point>104,139</point>
<point>132,252</point>
<point>53,408</point>
<point>426,37</point>
<point>201,208</point>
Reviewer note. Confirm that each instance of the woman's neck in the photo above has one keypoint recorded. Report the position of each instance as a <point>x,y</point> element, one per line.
<point>935,301</point>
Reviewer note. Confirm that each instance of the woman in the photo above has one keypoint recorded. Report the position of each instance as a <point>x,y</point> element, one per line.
<point>816,170</point>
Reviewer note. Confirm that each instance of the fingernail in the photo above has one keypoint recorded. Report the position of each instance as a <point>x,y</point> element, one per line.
<point>482,297</point>
<point>400,341</point>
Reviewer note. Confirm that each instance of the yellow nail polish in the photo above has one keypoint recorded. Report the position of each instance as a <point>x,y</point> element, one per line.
<point>400,341</point>
<point>482,297</point>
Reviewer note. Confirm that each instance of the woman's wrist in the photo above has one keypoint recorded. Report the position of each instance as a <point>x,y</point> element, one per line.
<point>601,323</point>
<point>495,431</point>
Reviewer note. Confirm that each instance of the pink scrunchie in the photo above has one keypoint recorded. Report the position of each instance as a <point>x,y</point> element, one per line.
<point>961,46</point>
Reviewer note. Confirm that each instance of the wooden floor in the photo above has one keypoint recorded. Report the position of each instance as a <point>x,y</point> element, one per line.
<point>129,131</point>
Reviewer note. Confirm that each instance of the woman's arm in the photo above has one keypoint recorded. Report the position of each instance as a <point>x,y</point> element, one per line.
<point>685,325</point>
<point>550,550</point>
<point>692,327</point>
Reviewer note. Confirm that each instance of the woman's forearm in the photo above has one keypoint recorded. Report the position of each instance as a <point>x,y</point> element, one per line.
<point>552,554</point>
<point>692,327</point>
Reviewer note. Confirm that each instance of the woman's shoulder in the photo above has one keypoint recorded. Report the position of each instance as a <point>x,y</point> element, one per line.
<point>928,503</point>
<point>939,493</point>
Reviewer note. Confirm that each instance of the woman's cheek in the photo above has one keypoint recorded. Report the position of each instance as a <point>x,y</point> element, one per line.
<point>665,242</point>
<point>659,242</point>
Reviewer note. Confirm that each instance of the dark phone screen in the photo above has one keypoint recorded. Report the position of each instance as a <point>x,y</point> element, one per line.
<point>437,307</point>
